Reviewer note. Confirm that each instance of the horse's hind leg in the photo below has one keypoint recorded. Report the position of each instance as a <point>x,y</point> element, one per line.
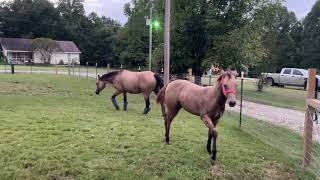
<point>167,122</point>
<point>125,102</point>
<point>114,101</point>
<point>147,108</point>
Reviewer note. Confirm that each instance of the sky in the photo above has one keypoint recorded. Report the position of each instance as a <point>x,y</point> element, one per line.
<point>114,8</point>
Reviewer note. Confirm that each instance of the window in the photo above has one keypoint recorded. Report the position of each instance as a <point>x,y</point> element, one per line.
<point>287,71</point>
<point>297,72</point>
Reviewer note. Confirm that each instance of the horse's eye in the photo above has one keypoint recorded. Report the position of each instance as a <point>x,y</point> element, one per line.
<point>225,86</point>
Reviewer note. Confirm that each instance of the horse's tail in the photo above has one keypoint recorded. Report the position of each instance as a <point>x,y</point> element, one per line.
<point>159,84</point>
<point>161,95</point>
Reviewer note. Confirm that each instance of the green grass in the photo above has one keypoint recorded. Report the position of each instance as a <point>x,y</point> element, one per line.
<point>291,98</point>
<point>55,127</point>
<point>275,96</point>
<point>280,97</point>
<point>59,68</point>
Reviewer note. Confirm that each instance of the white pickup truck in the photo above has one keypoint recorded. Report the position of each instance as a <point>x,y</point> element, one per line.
<point>289,76</point>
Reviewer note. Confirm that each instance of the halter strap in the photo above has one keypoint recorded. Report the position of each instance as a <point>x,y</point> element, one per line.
<point>226,92</point>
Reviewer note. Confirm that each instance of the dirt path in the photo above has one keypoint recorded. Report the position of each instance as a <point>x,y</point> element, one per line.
<point>288,118</point>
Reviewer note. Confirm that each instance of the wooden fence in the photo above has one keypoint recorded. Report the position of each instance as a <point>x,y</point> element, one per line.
<point>312,105</point>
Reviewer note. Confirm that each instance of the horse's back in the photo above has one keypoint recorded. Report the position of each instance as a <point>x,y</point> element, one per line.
<point>137,82</point>
<point>186,94</point>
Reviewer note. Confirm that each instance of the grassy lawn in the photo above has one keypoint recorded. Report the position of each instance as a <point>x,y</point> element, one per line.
<point>83,69</point>
<point>288,97</point>
<point>291,98</point>
<point>55,127</point>
<point>275,96</point>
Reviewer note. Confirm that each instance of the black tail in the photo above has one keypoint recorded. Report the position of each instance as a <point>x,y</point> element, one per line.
<point>159,84</point>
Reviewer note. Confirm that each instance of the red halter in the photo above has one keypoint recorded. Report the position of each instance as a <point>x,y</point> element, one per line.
<point>226,92</point>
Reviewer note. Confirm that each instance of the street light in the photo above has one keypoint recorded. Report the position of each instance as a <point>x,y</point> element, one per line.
<point>149,23</point>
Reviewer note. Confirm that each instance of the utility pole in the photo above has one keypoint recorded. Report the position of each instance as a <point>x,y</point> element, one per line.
<point>167,41</point>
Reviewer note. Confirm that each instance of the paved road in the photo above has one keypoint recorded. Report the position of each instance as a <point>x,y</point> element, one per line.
<point>288,118</point>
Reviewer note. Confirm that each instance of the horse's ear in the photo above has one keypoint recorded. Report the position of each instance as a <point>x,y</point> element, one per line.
<point>99,77</point>
<point>234,72</point>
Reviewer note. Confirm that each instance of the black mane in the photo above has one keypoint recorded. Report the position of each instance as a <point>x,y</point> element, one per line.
<point>109,76</point>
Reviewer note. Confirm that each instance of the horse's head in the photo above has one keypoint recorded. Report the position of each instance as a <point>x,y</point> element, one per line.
<point>229,86</point>
<point>100,85</point>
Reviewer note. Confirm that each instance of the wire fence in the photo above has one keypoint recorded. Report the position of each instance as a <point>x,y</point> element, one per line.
<point>276,116</point>
<point>75,70</point>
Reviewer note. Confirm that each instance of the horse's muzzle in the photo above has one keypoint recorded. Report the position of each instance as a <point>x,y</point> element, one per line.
<point>97,92</point>
<point>232,103</point>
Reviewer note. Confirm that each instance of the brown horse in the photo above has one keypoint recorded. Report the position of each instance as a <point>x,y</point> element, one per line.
<point>206,102</point>
<point>125,81</point>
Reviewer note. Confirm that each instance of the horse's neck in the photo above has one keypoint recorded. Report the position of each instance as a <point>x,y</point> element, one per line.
<point>217,94</point>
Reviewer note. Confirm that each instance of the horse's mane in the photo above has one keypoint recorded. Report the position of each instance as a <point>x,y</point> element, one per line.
<point>109,76</point>
<point>225,74</point>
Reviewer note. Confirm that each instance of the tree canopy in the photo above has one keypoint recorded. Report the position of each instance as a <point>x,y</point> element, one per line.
<point>239,33</point>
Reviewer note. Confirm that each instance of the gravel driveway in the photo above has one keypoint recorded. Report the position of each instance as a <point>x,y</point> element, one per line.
<point>288,118</point>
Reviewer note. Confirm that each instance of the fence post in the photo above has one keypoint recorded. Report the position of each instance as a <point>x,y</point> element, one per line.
<point>108,68</point>
<point>69,68</point>
<point>73,68</point>
<point>139,69</point>
<point>5,67</point>
<point>56,68</point>
<point>308,123</point>
<point>96,70</point>
<point>190,74</point>
<point>79,70</point>
<point>87,69</point>
<point>12,68</point>
<point>241,97</point>
<point>30,68</point>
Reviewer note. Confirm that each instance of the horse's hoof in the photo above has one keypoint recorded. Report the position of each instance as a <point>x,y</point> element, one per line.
<point>167,141</point>
<point>117,108</point>
<point>146,110</point>
<point>213,162</point>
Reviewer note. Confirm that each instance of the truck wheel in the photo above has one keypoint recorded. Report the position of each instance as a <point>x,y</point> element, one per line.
<point>305,85</point>
<point>269,82</point>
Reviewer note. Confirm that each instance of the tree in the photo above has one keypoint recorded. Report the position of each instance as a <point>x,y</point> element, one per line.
<point>45,47</point>
<point>311,42</point>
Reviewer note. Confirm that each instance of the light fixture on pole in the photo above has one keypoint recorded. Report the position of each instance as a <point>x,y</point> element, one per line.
<point>149,23</point>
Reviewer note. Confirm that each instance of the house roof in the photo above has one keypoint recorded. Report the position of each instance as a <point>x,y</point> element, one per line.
<point>20,44</point>
<point>17,44</point>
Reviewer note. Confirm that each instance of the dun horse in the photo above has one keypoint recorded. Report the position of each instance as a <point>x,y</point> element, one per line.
<point>206,102</point>
<point>125,81</point>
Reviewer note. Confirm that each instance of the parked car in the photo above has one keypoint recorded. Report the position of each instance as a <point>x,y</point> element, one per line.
<point>289,76</point>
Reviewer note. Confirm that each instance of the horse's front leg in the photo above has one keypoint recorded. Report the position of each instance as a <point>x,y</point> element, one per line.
<point>147,108</point>
<point>113,99</point>
<point>212,137</point>
<point>125,102</point>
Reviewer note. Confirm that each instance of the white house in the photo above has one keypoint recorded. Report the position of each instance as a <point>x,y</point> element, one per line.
<point>19,51</point>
